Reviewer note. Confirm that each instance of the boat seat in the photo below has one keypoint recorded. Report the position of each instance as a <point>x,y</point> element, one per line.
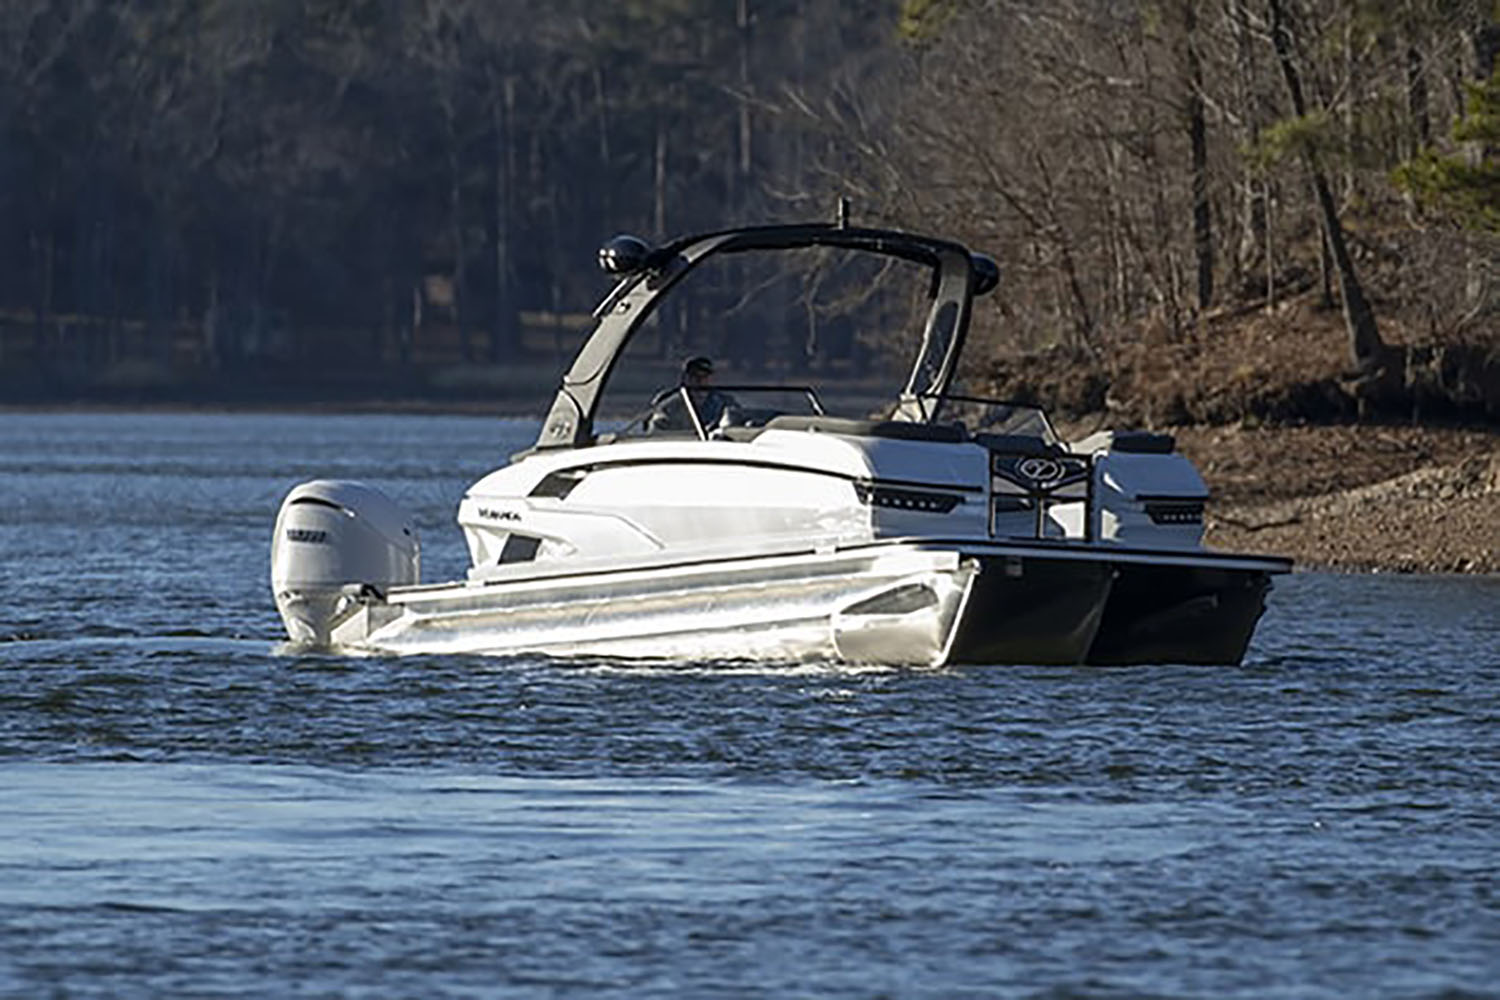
<point>1137,442</point>
<point>902,429</point>
<point>1019,444</point>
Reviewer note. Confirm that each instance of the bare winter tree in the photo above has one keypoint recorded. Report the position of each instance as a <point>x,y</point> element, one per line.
<point>1365,344</point>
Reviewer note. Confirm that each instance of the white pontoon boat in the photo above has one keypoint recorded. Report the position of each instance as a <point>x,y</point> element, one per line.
<point>950,530</point>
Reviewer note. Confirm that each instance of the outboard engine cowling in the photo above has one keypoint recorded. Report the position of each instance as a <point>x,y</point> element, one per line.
<point>336,544</point>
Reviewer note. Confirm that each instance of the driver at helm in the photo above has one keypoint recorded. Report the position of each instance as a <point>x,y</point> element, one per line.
<point>708,403</point>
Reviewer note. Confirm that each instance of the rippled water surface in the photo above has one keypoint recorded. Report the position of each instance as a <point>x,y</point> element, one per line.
<point>186,810</point>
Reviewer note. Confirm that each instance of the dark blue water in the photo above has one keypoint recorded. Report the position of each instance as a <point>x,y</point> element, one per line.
<point>187,811</point>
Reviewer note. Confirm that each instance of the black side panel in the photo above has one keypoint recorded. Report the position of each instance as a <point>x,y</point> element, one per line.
<point>1166,614</point>
<point>520,548</point>
<point>557,485</point>
<point>1032,610</point>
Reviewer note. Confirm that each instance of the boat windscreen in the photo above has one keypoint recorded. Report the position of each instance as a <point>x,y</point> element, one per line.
<point>996,416</point>
<point>702,412</point>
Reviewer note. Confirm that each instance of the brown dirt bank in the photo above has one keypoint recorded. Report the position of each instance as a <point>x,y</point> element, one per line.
<point>1287,367</point>
<point>1394,499</point>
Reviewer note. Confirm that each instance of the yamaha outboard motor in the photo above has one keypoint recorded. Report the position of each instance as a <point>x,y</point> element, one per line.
<point>337,544</point>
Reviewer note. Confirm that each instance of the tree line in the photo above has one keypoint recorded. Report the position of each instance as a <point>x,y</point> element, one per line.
<point>1146,163</point>
<point>260,170</point>
<point>265,169</point>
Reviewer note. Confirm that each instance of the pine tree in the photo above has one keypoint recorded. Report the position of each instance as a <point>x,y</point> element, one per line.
<point>1464,185</point>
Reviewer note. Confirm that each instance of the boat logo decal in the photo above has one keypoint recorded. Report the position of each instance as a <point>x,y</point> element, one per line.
<point>1041,470</point>
<point>1063,477</point>
<point>311,536</point>
<point>491,514</point>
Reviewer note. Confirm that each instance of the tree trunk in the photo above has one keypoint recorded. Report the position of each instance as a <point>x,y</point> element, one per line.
<point>456,229</point>
<point>1325,272</point>
<point>1254,192</point>
<point>47,249</point>
<point>212,317</point>
<point>1270,254</point>
<point>1365,344</point>
<point>659,179</point>
<point>504,336</point>
<point>1203,241</point>
<point>160,293</point>
<point>1486,43</point>
<point>456,223</point>
<point>1083,317</point>
<point>1352,81</point>
<point>1416,99</point>
<point>742,31</point>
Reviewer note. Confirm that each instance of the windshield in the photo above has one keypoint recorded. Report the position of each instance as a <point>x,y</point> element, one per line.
<point>993,416</point>
<point>801,332</point>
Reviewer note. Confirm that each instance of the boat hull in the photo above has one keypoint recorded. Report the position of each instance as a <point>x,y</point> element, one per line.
<point>1177,614</point>
<point>1106,606</point>
<point>1031,609</point>
<point>915,602</point>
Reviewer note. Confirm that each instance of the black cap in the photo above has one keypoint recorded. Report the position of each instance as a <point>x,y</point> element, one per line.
<point>698,366</point>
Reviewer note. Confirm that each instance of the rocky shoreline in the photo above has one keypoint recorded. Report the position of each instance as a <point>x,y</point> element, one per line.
<point>1373,499</point>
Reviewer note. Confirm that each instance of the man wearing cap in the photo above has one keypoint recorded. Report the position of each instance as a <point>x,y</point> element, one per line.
<point>708,402</point>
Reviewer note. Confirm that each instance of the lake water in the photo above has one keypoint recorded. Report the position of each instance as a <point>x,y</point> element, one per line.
<point>185,810</point>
